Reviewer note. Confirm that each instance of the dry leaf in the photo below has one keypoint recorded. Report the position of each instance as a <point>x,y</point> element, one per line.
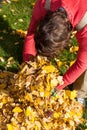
<point>26,101</point>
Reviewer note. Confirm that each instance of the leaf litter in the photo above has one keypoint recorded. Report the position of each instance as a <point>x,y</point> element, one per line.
<point>26,102</point>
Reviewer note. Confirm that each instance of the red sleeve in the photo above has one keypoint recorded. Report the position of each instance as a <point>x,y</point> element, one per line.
<point>81,63</point>
<point>38,12</point>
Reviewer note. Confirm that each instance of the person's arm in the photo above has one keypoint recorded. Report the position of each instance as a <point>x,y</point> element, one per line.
<point>29,44</point>
<point>81,63</point>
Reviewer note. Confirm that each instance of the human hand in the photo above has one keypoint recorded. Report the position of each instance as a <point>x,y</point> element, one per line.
<point>61,83</point>
<point>28,57</point>
<point>54,92</point>
<point>57,89</point>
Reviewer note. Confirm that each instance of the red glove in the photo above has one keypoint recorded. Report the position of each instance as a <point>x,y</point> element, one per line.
<point>60,87</point>
<point>27,57</point>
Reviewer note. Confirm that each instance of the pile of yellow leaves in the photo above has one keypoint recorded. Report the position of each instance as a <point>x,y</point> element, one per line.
<point>26,102</point>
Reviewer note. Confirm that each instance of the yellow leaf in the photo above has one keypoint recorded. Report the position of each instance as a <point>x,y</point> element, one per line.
<point>47,94</point>
<point>74,49</point>
<point>54,82</point>
<point>10,127</point>
<point>73,94</point>
<point>71,122</point>
<point>10,59</point>
<point>71,113</point>
<point>2,59</point>
<point>28,111</point>
<point>70,94</point>
<point>60,80</point>
<point>4,16</point>
<point>29,97</point>
<point>49,69</point>
<point>67,93</point>
<point>38,100</point>
<point>33,3</point>
<point>73,34</point>
<point>56,115</point>
<point>21,32</point>
<point>42,94</point>
<point>38,125</point>
<point>72,62</point>
<point>36,128</point>
<point>59,63</point>
<point>0,10</point>
<point>4,100</point>
<point>48,82</point>
<point>17,109</point>
<point>33,120</point>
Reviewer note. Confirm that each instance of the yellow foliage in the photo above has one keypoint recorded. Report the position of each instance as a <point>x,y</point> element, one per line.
<point>70,94</point>
<point>28,111</point>
<point>33,3</point>
<point>27,100</point>
<point>47,94</point>
<point>72,62</point>
<point>21,33</point>
<point>49,69</point>
<point>74,48</point>
<point>28,97</point>
<point>17,110</point>
<point>10,127</point>
<point>56,115</point>
<point>59,63</point>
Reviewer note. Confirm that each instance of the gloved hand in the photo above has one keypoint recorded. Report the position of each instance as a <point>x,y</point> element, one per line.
<point>54,92</point>
<point>27,57</point>
<point>62,83</point>
<point>60,87</point>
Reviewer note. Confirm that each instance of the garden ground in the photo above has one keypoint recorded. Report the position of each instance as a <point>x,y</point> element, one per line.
<point>14,18</point>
